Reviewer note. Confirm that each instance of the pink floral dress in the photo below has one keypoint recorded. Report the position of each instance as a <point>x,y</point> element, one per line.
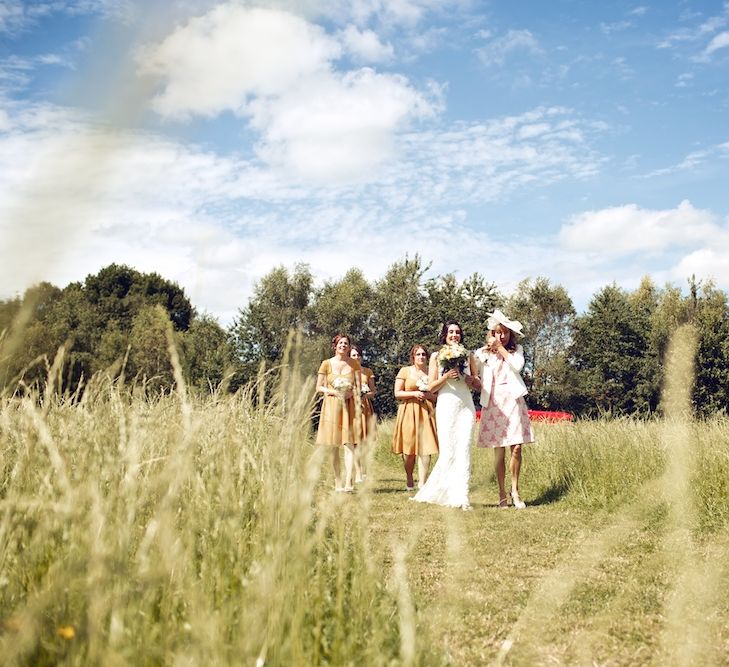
<point>505,419</point>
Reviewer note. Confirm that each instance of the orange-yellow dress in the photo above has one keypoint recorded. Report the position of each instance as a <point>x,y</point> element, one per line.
<point>338,420</point>
<point>369,419</point>
<point>415,424</point>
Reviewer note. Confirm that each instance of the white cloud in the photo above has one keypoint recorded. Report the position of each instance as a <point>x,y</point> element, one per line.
<point>700,31</point>
<point>16,15</point>
<point>691,161</point>
<point>705,263</point>
<point>720,41</point>
<point>618,26</point>
<point>335,128</point>
<point>684,80</point>
<point>365,45</point>
<point>276,69</point>
<point>513,42</point>
<point>73,199</point>
<point>622,230</point>
<point>638,11</point>
<point>216,62</point>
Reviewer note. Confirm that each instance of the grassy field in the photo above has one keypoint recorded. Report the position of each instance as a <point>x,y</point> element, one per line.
<point>189,530</point>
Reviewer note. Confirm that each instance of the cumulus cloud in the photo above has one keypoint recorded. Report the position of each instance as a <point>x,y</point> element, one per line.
<point>622,230</point>
<point>365,45</point>
<point>216,62</point>
<point>277,70</point>
<point>335,128</point>
<point>710,263</point>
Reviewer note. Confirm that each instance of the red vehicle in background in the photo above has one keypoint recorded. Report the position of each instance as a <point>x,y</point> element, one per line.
<point>550,416</point>
<point>542,415</point>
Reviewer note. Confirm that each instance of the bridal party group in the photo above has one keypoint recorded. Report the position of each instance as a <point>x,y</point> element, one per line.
<point>436,413</point>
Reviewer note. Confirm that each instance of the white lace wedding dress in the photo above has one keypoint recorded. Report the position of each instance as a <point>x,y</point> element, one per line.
<point>454,419</point>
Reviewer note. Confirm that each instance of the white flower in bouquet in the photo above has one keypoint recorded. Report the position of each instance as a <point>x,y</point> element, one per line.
<point>422,384</point>
<point>342,386</point>
<point>452,356</point>
<point>365,389</point>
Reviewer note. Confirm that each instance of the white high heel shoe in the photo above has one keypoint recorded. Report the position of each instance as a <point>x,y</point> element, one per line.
<point>518,502</point>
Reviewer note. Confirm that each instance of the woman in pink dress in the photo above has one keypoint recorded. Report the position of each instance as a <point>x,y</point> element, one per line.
<point>504,415</point>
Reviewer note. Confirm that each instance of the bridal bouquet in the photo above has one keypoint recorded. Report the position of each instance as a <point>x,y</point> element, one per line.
<point>342,386</point>
<point>452,356</point>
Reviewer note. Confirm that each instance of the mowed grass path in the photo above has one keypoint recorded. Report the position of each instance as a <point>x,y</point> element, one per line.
<point>573,579</point>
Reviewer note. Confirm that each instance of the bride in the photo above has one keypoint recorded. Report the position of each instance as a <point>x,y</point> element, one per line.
<point>454,417</point>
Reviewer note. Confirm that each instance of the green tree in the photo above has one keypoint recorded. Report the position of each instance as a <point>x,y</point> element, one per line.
<point>709,312</point>
<point>281,302</point>
<point>467,302</point>
<point>118,292</point>
<point>149,356</point>
<point>548,315</point>
<point>208,356</point>
<point>342,306</point>
<point>644,303</point>
<point>400,318</point>
<point>607,354</point>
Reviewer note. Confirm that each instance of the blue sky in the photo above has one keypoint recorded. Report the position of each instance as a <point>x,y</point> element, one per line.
<point>586,142</point>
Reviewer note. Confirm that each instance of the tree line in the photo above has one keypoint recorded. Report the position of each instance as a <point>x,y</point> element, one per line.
<point>606,360</point>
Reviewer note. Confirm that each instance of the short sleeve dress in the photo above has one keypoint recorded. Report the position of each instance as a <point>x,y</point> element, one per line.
<point>339,420</point>
<point>415,431</point>
<point>369,419</point>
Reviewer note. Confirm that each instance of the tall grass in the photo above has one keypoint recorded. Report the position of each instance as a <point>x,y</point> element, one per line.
<point>187,529</point>
<point>182,530</point>
<point>604,464</point>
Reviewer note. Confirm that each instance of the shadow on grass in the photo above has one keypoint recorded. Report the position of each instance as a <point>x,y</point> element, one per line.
<point>552,494</point>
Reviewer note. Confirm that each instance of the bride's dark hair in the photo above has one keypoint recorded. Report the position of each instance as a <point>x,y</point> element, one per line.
<point>444,331</point>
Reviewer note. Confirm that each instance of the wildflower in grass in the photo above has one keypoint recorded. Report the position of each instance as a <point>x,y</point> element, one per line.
<point>66,632</point>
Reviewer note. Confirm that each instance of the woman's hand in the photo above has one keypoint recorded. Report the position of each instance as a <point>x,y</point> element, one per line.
<point>473,382</point>
<point>348,395</point>
<point>420,395</point>
<point>451,374</point>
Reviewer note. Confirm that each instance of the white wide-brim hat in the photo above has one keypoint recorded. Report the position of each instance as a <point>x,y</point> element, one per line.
<point>497,317</point>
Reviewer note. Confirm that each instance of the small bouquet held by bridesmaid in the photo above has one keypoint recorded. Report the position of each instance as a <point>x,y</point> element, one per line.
<point>453,356</point>
<point>422,384</point>
<point>342,386</point>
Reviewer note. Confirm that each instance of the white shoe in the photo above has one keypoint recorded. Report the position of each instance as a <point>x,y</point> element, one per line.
<point>518,502</point>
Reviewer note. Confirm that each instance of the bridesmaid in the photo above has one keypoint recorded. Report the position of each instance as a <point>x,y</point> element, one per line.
<point>415,433</point>
<point>338,380</point>
<point>369,419</point>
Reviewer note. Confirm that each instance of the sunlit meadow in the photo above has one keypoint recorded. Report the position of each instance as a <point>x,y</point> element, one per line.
<point>203,530</point>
